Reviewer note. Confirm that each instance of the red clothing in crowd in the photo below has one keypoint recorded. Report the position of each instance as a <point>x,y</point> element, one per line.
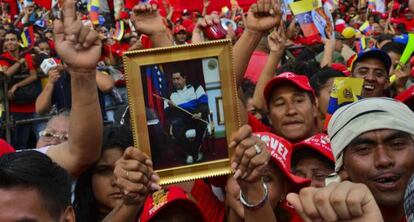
<point>409,24</point>
<point>256,125</point>
<point>256,64</point>
<point>212,208</point>
<point>23,108</point>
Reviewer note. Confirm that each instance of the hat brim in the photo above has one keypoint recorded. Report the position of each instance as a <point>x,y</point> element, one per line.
<point>276,82</point>
<point>296,183</point>
<point>302,145</point>
<point>377,54</point>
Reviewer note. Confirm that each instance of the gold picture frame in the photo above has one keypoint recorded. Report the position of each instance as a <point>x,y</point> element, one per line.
<point>151,79</point>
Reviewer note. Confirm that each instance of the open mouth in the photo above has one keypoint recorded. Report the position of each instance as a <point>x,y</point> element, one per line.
<point>387,180</point>
<point>369,88</point>
<point>116,195</point>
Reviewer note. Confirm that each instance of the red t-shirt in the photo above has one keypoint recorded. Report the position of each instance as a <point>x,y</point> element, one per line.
<point>256,64</point>
<point>212,208</point>
<point>256,125</point>
<point>23,108</point>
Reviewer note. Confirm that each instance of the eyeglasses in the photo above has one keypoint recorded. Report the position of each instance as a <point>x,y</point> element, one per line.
<point>49,136</point>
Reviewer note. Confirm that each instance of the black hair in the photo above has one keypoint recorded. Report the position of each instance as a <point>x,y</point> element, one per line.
<point>310,52</point>
<point>384,37</point>
<point>402,28</point>
<point>301,153</point>
<point>13,33</point>
<point>320,78</point>
<point>307,68</point>
<point>395,47</point>
<point>85,203</point>
<point>32,169</point>
<point>42,40</point>
<point>248,88</point>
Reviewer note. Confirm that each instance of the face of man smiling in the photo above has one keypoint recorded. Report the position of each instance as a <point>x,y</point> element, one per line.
<point>382,160</point>
<point>375,77</point>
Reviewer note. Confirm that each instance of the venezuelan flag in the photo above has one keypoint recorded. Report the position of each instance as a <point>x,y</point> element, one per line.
<point>345,90</point>
<point>27,37</point>
<point>93,8</point>
<point>366,28</point>
<point>361,45</point>
<point>119,30</point>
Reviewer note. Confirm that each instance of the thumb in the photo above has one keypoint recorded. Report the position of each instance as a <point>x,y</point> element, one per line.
<point>293,199</point>
<point>58,30</point>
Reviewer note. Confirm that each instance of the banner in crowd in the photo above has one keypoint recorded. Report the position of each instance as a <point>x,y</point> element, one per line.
<point>313,19</point>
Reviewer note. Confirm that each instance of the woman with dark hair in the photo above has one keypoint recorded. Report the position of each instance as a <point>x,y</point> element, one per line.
<point>96,194</point>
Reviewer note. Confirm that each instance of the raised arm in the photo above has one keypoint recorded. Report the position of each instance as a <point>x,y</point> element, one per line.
<point>262,16</point>
<point>148,20</point>
<point>104,82</point>
<point>136,179</point>
<point>249,166</point>
<point>277,44</point>
<point>80,48</point>
<point>44,100</point>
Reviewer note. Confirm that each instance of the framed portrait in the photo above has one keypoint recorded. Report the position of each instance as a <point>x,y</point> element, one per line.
<point>184,106</point>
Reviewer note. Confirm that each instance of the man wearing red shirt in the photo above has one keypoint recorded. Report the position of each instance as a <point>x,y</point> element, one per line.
<point>19,67</point>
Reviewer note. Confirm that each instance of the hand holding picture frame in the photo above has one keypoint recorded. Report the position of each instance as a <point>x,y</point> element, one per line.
<point>184,106</point>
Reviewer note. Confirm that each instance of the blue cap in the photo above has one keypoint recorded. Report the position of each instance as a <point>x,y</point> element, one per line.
<point>377,54</point>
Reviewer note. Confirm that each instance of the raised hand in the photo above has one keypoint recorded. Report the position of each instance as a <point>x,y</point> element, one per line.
<point>147,19</point>
<point>263,15</point>
<point>345,201</point>
<point>77,45</point>
<point>250,155</point>
<point>402,75</point>
<point>135,176</point>
<point>206,3</point>
<point>54,75</point>
<point>277,39</point>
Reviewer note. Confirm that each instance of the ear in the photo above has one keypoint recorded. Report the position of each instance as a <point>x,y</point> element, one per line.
<point>387,84</point>
<point>69,215</point>
<point>315,107</point>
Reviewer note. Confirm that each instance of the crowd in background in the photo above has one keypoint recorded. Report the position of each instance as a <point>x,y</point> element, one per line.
<point>64,63</point>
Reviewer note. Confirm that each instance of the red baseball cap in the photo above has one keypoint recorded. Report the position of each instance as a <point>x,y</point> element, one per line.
<point>342,68</point>
<point>319,143</point>
<point>166,197</point>
<point>5,148</point>
<point>281,151</point>
<point>123,15</point>
<point>179,28</point>
<point>300,81</point>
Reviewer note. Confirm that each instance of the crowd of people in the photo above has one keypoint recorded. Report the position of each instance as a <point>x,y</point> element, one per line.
<point>81,165</point>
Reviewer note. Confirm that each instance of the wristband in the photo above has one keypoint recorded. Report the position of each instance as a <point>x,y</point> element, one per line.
<point>261,202</point>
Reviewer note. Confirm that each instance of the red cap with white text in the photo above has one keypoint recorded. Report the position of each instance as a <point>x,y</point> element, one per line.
<point>281,151</point>
<point>300,81</point>
<point>319,143</point>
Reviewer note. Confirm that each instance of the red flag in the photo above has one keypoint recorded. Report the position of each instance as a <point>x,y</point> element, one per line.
<point>47,4</point>
<point>14,10</point>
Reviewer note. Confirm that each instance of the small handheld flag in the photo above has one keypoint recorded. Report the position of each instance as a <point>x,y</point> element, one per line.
<point>408,40</point>
<point>119,30</point>
<point>345,90</point>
